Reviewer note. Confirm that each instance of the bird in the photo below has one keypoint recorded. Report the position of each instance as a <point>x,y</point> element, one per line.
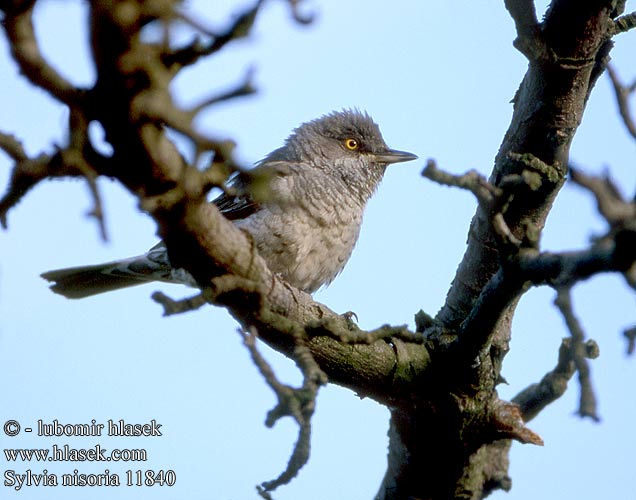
<point>305,226</point>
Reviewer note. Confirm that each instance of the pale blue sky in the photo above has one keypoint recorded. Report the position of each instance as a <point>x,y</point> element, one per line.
<point>438,78</point>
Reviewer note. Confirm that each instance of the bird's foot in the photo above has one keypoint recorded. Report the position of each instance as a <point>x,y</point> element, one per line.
<point>349,318</point>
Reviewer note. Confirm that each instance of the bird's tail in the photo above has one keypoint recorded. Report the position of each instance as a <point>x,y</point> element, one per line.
<point>84,281</point>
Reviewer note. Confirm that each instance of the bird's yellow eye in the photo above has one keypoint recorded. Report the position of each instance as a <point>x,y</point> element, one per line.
<point>351,144</point>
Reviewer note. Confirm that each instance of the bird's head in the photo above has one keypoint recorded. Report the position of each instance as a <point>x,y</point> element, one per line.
<point>347,144</point>
<point>341,135</point>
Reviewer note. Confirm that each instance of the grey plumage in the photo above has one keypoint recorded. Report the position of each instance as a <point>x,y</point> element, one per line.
<point>317,186</point>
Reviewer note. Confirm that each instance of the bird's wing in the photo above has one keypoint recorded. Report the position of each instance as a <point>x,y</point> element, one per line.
<point>249,187</point>
<point>239,205</point>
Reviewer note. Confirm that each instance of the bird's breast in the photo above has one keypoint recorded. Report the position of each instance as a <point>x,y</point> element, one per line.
<point>306,243</point>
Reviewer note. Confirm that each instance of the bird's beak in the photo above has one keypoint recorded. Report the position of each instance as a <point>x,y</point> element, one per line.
<point>393,156</point>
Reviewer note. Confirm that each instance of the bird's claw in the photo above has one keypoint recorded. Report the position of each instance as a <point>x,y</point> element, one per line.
<point>348,316</point>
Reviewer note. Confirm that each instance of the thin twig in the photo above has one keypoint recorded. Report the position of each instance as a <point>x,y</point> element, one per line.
<point>297,403</point>
<point>97,212</point>
<point>472,181</point>
<point>535,164</point>
<point>587,398</point>
<point>298,16</point>
<point>75,155</point>
<point>242,89</point>
<point>610,202</point>
<point>26,173</point>
<point>503,230</point>
<point>495,199</point>
<point>507,420</point>
<point>240,28</point>
<point>180,120</point>
<point>534,398</point>
<point>630,336</point>
<point>13,147</point>
<point>171,306</point>
<point>623,93</point>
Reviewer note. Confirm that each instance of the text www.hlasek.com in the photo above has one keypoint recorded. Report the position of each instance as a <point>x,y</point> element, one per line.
<point>67,454</point>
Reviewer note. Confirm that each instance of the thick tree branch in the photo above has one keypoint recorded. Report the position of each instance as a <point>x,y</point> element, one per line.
<point>554,269</point>
<point>567,53</point>
<point>528,40</point>
<point>132,103</point>
<point>623,24</point>
<point>523,266</point>
<point>220,257</point>
<point>524,15</point>
<point>477,335</point>
<point>548,109</point>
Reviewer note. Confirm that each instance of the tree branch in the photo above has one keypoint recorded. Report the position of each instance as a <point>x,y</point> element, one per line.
<point>472,181</point>
<point>587,400</point>
<point>28,172</point>
<point>531,268</point>
<point>18,25</point>
<point>630,336</point>
<point>296,403</point>
<point>524,266</point>
<point>13,147</point>
<point>240,28</point>
<point>524,15</point>
<point>623,93</point>
<point>623,24</point>
<point>534,398</point>
<point>172,307</point>
<point>242,89</point>
<point>548,108</point>
<point>494,200</point>
<point>130,87</point>
<point>221,257</point>
<point>528,40</point>
<point>609,201</point>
